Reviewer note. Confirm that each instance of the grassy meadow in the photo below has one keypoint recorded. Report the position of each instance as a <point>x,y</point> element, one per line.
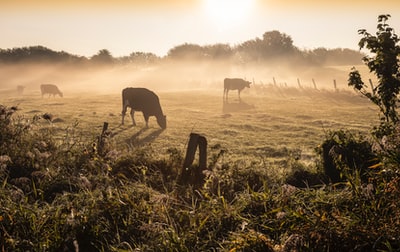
<point>263,122</point>
<point>127,199</point>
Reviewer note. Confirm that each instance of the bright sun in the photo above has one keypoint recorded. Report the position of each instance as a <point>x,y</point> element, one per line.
<point>228,13</point>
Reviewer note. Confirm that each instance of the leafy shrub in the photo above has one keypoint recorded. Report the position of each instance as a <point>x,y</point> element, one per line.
<point>383,60</point>
<point>345,155</point>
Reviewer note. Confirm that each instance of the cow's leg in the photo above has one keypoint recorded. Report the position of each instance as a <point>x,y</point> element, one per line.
<point>146,119</point>
<point>239,94</point>
<point>133,117</point>
<point>123,114</point>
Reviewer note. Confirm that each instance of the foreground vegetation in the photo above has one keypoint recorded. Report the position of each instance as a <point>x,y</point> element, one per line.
<point>68,189</point>
<point>63,189</point>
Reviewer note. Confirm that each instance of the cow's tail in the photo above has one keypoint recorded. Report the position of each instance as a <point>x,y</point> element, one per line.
<point>42,90</point>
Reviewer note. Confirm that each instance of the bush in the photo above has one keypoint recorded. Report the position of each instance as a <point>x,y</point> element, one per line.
<point>345,155</point>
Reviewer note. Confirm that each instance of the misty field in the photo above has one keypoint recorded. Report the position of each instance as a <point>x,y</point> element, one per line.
<point>265,121</point>
<point>264,189</point>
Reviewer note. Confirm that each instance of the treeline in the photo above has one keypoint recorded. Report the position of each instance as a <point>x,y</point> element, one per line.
<point>273,46</point>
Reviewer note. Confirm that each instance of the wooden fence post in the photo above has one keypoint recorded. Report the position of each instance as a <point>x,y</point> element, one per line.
<point>101,139</point>
<point>334,85</point>
<point>190,175</point>
<point>273,78</point>
<point>298,83</point>
<point>315,85</point>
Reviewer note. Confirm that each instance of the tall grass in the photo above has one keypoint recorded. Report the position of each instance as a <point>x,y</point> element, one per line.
<point>60,193</point>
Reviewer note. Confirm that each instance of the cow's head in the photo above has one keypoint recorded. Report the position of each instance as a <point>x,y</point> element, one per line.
<point>248,83</point>
<point>162,121</point>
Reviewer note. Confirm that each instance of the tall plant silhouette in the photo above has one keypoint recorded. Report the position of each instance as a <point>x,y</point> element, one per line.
<point>383,60</point>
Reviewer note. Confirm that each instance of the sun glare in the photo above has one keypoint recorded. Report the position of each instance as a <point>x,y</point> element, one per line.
<point>228,13</point>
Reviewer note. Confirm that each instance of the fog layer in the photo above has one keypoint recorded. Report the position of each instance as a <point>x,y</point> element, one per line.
<point>171,76</point>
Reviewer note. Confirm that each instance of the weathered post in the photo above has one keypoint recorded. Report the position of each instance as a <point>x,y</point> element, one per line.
<point>190,175</point>
<point>334,85</point>
<point>315,85</point>
<point>102,137</point>
<point>273,78</point>
<point>298,83</point>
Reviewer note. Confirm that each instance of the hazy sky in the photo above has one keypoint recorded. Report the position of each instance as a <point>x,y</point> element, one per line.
<point>124,26</point>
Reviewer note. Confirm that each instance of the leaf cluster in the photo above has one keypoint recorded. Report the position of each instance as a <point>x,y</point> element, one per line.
<point>384,61</point>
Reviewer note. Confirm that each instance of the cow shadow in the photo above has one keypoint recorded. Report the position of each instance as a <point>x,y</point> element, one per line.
<point>55,104</point>
<point>140,138</point>
<point>117,130</point>
<point>228,107</point>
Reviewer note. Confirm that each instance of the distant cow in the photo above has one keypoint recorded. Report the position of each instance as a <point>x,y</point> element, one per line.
<point>20,89</point>
<point>233,84</point>
<point>50,89</point>
<point>142,99</point>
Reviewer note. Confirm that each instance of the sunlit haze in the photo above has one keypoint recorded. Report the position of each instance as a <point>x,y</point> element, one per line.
<point>122,26</point>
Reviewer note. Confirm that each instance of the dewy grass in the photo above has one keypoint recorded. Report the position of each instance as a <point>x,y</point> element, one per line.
<point>262,191</point>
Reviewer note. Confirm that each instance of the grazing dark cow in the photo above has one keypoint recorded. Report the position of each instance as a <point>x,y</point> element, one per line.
<point>50,89</point>
<point>233,84</point>
<point>142,99</point>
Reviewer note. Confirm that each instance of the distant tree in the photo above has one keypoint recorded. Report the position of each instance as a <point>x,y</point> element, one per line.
<point>343,56</point>
<point>383,60</point>
<point>37,54</point>
<point>273,45</point>
<point>319,55</point>
<point>186,51</point>
<point>144,58</point>
<point>277,43</point>
<point>337,56</point>
<point>139,59</point>
<point>218,51</point>
<point>250,50</point>
<point>102,57</point>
